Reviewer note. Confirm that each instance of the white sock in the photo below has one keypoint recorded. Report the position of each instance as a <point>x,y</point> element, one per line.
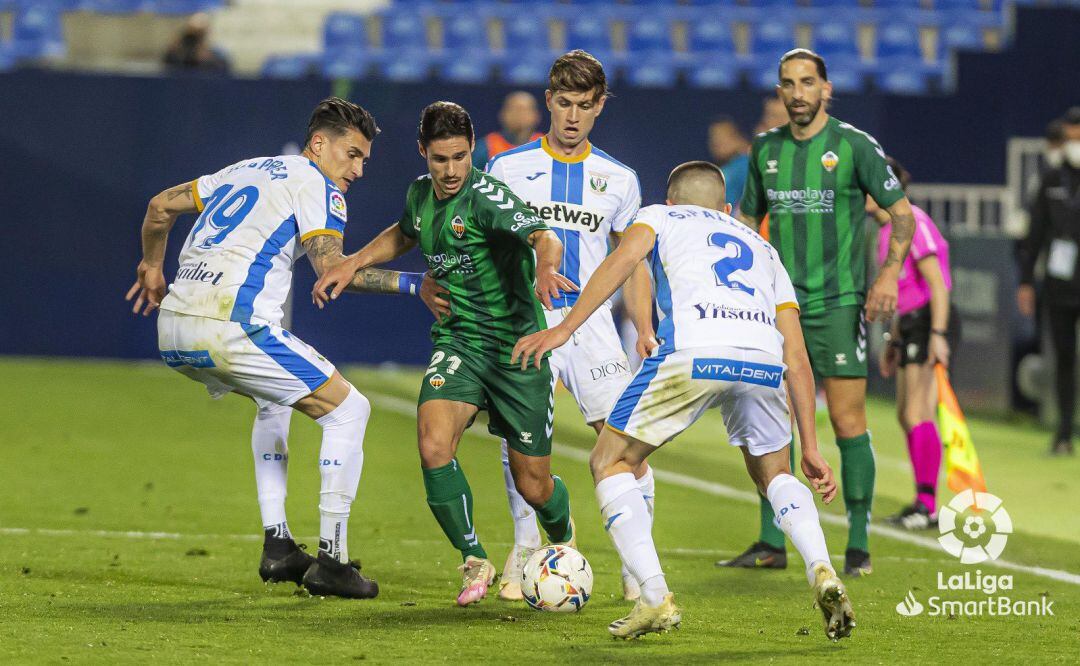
<point>797,516</point>
<point>648,490</point>
<point>341,459</point>
<point>627,520</point>
<point>526,531</point>
<point>270,449</point>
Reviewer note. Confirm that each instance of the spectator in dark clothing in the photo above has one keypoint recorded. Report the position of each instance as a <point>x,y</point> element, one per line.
<point>1055,232</point>
<point>192,49</point>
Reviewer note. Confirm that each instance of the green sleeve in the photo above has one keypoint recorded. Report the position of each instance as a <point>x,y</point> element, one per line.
<point>753,199</point>
<point>406,222</point>
<point>500,211</point>
<point>875,176</point>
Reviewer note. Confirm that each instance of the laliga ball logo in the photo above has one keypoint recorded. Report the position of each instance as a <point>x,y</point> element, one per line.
<point>974,527</point>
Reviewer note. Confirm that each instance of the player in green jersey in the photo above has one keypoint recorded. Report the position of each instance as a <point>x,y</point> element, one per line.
<point>479,241</point>
<point>812,176</point>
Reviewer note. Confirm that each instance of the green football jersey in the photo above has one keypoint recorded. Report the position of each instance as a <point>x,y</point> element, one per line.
<point>476,246</point>
<point>815,192</point>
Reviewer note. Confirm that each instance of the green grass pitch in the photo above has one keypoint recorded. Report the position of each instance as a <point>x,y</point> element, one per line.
<point>130,532</point>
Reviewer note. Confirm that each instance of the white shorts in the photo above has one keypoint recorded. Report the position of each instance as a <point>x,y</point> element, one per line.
<point>265,362</point>
<point>592,364</point>
<point>671,391</point>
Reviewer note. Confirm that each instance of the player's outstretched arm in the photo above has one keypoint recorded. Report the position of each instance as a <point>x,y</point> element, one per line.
<point>549,251</point>
<point>324,251</point>
<point>637,295</point>
<point>800,381</point>
<point>339,273</point>
<point>609,276</point>
<point>881,299</point>
<point>161,214</point>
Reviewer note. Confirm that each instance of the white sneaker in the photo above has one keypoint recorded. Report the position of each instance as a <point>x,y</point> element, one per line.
<point>645,619</point>
<point>631,591</point>
<point>510,582</point>
<point>832,599</point>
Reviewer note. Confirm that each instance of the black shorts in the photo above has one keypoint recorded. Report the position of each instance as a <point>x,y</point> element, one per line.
<point>915,335</point>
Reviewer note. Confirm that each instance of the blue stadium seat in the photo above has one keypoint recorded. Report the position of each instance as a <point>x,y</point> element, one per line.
<point>847,74</point>
<point>651,33</point>
<point>772,36</point>
<point>36,32</point>
<point>347,64</point>
<point>710,34</point>
<point>470,67</point>
<point>181,7</point>
<point>655,71</point>
<point>838,4</point>
<point>526,32</point>
<point>897,4</point>
<point>343,31</point>
<point>113,6</point>
<point>525,68</point>
<point>406,65</point>
<point>288,66</point>
<point>962,35</point>
<point>947,5</point>
<point>836,39</point>
<point>464,30</point>
<point>904,81</point>
<point>589,31</point>
<point>896,39</point>
<point>714,71</point>
<point>404,29</point>
<point>711,3</point>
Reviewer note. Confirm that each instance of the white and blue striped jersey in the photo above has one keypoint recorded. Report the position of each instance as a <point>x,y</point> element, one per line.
<point>237,262</point>
<point>582,198</point>
<point>717,282</point>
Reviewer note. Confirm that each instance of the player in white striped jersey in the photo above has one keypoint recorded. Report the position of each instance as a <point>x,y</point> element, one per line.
<point>220,323</point>
<point>729,335</point>
<point>588,198</point>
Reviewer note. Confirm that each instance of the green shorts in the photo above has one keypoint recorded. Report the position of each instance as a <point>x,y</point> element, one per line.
<point>520,403</point>
<point>836,341</point>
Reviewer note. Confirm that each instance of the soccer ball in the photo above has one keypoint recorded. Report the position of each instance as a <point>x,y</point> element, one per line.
<point>557,579</point>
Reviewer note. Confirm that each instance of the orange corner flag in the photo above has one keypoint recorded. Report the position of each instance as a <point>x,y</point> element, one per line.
<point>962,469</point>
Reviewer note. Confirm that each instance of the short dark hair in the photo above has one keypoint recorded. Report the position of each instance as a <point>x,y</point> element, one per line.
<point>694,168</point>
<point>578,71</point>
<point>338,115</point>
<point>442,120</point>
<point>899,171</point>
<point>804,54</point>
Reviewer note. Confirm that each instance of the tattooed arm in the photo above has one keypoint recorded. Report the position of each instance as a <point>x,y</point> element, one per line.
<point>161,214</point>
<point>324,251</point>
<point>881,299</point>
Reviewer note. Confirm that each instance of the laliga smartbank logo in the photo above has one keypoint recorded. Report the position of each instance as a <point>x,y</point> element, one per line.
<point>974,528</point>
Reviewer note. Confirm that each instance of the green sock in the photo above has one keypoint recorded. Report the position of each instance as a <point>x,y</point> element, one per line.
<point>857,471</point>
<point>554,516</point>
<point>451,502</point>
<point>770,533</point>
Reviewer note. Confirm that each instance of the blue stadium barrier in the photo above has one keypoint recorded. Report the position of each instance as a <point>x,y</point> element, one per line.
<point>344,31</point>
<point>288,66</point>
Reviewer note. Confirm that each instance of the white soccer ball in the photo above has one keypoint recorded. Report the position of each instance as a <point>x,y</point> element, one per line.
<point>557,579</point>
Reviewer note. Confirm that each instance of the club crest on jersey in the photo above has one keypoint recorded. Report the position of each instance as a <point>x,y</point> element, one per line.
<point>770,166</point>
<point>436,381</point>
<point>457,225</point>
<point>337,205</point>
<point>598,182</point>
<point>829,160</point>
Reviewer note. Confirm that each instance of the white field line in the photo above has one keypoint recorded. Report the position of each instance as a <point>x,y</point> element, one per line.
<point>408,408</point>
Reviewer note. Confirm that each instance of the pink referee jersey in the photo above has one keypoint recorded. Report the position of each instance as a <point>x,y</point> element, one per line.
<point>914,292</point>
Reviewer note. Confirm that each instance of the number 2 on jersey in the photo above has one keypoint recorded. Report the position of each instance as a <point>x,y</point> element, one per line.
<point>222,214</point>
<point>742,260</point>
<point>452,363</point>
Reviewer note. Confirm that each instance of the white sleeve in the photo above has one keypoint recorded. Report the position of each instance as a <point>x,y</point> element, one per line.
<point>783,290</point>
<point>651,217</point>
<point>628,209</point>
<point>203,187</point>
<point>320,208</point>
